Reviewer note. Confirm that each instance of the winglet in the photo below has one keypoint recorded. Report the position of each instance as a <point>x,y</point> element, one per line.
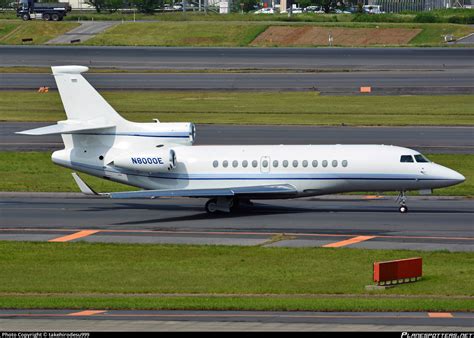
<point>85,189</point>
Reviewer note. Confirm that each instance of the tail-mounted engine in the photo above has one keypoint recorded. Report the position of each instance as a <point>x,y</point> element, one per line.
<point>163,160</point>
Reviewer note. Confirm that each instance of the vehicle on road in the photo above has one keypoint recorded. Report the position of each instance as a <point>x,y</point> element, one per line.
<point>267,10</point>
<point>373,9</point>
<point>160,159</point>
<point>314,9</point>
<point>48,11</point>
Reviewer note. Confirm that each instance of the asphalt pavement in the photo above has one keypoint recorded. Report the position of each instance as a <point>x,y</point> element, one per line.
<point>452,81</point>
<point>369,222</point>
<point>128,320</point>
<point>238,58</point>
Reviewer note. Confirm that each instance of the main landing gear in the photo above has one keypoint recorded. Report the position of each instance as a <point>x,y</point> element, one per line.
<point>402,200</point>
<point>225,204</point>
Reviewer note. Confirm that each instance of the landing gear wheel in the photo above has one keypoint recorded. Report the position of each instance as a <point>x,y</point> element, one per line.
<point>211,206</point>
<point>402,199</point>
<point>235,205</point>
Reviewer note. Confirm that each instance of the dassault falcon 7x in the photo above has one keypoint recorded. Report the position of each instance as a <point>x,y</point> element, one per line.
<point>160,159</point>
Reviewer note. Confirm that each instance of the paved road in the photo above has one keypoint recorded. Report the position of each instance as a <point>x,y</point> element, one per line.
<point>123,320</point>
<point>86,31</point>
<point>388,82</point>
<point>250,58</point>
<point>431,224</point>
<point>425,139</point>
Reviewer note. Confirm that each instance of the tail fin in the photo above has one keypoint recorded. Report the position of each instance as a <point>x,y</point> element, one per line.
<point>81,101</point>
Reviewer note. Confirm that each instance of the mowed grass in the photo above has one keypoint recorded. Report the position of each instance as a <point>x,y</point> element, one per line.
<point>34,172</point>
<point>12,32</point>
<point>242,33</point>
<point>197,34</point>
<point>223,277</point>
<point>286,108</point>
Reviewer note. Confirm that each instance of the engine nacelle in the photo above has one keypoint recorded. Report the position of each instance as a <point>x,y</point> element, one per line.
<point>154,162</point>
<point>181,133</point>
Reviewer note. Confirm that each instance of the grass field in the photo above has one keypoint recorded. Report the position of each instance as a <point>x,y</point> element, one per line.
<point>70,275</point>
<point>34,171</point>
<point>209,31</point>
<point>12,32</point>
<point>229,33</point>
<point>295,108</point>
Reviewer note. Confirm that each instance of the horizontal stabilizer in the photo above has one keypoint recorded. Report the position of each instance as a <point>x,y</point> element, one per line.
<point>284,189</point>
<point>67,128</point>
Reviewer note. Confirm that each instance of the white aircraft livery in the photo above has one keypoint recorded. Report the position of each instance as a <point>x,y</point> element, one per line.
<point>160,159</point>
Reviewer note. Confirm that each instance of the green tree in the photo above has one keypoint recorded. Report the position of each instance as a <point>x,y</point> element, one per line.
<point>304,3</point>
<point>249,5</point>
<point>114,5</point>
<point>97,4</point>
<point>6,3</point>
<point>148,6</point>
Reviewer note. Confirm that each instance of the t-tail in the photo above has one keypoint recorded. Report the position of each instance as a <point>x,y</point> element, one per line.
<point>97,139</point>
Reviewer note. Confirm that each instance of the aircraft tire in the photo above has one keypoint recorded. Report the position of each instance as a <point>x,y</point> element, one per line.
<point>211,206</point>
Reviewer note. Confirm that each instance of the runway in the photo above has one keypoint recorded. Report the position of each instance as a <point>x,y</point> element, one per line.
<point>232,58</point>
<point>335,221</point>
<point>453,81</point>
<point>113,320</point>
<point>424,139</point>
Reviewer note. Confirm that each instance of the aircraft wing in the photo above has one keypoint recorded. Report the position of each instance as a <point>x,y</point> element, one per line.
<point>260,190</point>
<point>251,191</point>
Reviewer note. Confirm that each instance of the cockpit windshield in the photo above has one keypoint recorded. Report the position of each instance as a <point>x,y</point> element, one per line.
<point>406,158</point>
<point>421,159</point>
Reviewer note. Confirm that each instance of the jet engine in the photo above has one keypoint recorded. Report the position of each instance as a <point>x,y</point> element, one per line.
<point>162,160</point>
<point>178,133</point>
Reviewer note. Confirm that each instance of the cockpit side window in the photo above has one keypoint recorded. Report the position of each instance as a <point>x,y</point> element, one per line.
<point>421,159</point>
<point>406,158</point>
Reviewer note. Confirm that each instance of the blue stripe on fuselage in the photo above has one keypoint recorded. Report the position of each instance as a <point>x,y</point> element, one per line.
<point>262,176</point>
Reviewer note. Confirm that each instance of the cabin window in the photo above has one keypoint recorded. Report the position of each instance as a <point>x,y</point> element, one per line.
<point>305,163</point>
<point>325,163</point>
<point>225,164</point>
<point>275,164</point>
<point>245,163</point>
<point>421,159</point>
<point>334,163</point>
<point>295,163</point>
<point>215,164</point>
<point>314,163</point>
<point>406,159</point>
<point>285,163</point>
<point>344,163</point>
<point>235,164</point>
<point>264,163</point>
<point>254,163</point>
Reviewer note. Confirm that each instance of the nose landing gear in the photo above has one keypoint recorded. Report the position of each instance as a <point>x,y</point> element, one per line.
<point>402,199</point>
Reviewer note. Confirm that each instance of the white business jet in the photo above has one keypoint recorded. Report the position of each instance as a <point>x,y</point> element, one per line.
<point>160,159</point>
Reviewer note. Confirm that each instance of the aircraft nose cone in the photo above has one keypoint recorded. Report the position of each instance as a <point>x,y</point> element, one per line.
<point>455,177</point>
<point>459,178</point>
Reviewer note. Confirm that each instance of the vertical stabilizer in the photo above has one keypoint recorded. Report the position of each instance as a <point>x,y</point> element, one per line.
<point>81,101</point>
